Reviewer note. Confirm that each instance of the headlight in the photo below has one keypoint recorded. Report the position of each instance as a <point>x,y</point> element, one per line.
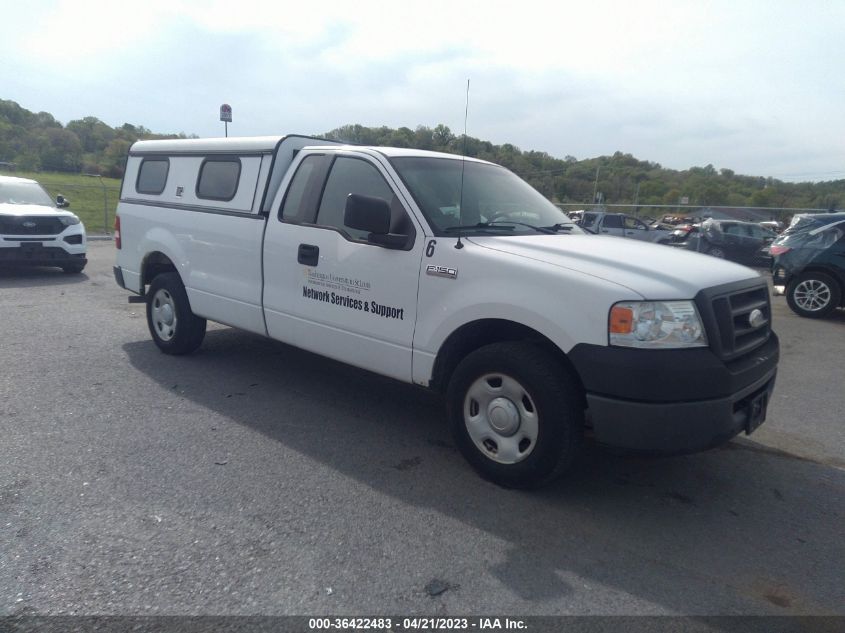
<point>68,220</point>
<point>656,325</point>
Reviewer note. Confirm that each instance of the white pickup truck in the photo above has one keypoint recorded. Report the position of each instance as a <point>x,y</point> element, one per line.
<point>455,275</point>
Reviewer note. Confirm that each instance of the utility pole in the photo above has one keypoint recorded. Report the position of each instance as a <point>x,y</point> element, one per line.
<point>596,185</point>
<point>637,199</point>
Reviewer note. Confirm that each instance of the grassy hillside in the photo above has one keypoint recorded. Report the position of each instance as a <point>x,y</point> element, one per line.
<point>86,194</point>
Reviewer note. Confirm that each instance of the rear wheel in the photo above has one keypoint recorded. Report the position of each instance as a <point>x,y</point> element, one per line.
<point>813,295</point>
<point>174,328</point>
<point>516,414</point>
<point>73,269</point>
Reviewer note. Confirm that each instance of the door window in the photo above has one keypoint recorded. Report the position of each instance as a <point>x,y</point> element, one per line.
<point>634,223</point>
<point>350,175</point>
<point>295,208</point>
<point>612,222</point>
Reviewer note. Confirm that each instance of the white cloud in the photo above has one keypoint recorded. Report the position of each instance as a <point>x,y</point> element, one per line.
<point>752,86</point>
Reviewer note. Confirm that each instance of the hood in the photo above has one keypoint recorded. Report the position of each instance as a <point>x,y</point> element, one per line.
<point>31,209</point>
<point>653,271</point>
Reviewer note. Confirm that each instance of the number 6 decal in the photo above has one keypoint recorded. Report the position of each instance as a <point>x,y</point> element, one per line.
<point>429,250</point>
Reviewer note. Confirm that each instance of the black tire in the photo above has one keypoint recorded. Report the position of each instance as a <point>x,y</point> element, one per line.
<point>717,251</point>
<point>554,400</point>
<point>174,328</point>
<point>73,269</point>
<point>813,294</point>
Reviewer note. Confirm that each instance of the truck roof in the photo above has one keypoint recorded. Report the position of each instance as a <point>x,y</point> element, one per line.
<point>395,152</point>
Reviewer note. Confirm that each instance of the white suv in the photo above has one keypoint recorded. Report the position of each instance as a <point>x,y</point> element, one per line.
<point>35,230</point>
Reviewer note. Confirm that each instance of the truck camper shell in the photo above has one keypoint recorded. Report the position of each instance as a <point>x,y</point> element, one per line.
<point>194,173</point>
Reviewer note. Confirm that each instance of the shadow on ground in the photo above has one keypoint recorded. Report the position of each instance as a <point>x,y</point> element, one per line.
<point>32,276</point>
<point>751,530</point>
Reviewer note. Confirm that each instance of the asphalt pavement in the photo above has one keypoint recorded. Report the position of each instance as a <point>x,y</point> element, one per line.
<point>255,478</point>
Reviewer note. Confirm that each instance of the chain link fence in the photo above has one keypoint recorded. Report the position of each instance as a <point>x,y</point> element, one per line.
<point>678,213</point>
<point>95,204</point>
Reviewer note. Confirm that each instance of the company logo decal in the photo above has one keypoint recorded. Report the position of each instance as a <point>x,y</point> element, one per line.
<point>756,318</point>
<point>441,271</point>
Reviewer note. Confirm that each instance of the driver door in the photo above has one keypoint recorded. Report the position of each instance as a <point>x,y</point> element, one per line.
<point>328,290</point>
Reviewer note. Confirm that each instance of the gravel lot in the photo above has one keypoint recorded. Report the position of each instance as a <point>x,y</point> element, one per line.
<point>254,478</point>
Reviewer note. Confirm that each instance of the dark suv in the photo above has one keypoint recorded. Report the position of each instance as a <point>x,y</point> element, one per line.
<point>743,242</point>
<point>809,259</point>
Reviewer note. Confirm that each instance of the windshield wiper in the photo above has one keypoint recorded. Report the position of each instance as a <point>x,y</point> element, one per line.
<point>480,225</point>
<point>560,226</point>
<point>498,225</point>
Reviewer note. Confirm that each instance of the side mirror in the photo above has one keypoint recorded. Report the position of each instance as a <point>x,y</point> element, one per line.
<point>366,213</point>
<point>62,202</point>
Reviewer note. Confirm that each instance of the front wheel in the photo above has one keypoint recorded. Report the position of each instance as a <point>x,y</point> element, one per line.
<point>516,414</point>
<point>813,295</point>
<point>716,251</point>
<point>174,328</point>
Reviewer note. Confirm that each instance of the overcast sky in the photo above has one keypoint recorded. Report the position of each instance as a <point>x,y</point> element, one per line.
<point>757,87</point>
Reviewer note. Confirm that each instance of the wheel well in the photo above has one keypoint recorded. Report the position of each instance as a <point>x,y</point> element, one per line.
<point>472,336</point>
<point>154,264</point>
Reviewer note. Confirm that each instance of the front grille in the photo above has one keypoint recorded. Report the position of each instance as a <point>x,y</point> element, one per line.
<point>38,225</point>
<point>736,335</point>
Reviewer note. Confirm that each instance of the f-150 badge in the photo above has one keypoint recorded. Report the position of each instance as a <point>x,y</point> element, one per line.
<point>441,271</point>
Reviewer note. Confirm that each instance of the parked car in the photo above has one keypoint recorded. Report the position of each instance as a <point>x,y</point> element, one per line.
<point>743,242</point>
<point>681,232</point>
<point>623,225</point>
<point>35,230</point>
<point>772,225</point>
<point>809,259</point>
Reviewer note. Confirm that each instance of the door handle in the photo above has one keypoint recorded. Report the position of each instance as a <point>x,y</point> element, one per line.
<point>308,254</point>
<point>604,231</point>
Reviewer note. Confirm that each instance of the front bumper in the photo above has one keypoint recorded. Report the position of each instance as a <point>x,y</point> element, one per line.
<point>679,427</point>
<point>40,256</point>
<point>67,247</point>
<point>674,401</point>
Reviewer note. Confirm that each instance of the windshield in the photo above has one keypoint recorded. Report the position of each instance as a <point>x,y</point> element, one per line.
<point>589,220</point>
<point>491,196</point>
<point>22,192</point>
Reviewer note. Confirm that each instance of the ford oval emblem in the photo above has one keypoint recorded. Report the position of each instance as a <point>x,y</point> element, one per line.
<point>756,318</point>
<point>29,225</point>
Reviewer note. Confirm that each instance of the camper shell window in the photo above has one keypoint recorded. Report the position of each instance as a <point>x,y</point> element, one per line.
<point>152,176</point>
<point>218,178</point>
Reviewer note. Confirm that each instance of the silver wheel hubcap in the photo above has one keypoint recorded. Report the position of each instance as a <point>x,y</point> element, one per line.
<point>501,418</point>
<point>811,295</point>
<point>164,315</point>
